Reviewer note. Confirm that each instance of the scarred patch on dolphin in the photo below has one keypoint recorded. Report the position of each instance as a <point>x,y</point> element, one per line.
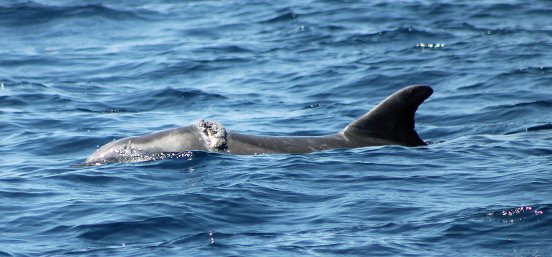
<point>214,134</point>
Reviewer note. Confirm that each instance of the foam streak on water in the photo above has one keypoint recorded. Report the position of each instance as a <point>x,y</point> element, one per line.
<point>75,75</point>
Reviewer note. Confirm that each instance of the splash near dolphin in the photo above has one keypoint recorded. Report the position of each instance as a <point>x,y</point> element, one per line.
<point>391,122</point>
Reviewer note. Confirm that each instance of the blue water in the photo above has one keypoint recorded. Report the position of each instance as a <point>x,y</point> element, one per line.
<point>75,75</point>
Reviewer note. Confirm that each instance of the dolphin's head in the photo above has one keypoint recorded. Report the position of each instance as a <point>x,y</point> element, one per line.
<point>103,155</point>
<point>121,150</point>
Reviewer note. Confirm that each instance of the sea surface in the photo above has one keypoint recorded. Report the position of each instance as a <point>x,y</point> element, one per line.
<point>75,75</point>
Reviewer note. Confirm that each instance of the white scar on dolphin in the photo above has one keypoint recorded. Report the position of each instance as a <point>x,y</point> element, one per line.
<point>391,122</point>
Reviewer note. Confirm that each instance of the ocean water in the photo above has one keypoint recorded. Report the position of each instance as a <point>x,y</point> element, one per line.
<point>75,75</point>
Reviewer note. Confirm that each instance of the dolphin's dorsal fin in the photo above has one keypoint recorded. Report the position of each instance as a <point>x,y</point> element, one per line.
<point>393,118</point>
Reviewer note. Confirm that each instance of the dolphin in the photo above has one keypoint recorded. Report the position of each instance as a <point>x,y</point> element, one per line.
<point>391,122</point>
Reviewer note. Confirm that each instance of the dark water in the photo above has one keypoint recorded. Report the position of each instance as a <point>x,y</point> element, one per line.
<point>75,75</point>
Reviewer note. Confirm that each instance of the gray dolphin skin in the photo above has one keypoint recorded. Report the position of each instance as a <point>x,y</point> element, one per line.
<point>389,123</point>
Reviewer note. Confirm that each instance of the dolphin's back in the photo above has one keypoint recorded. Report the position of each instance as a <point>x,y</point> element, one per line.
<point>250,144</point>
<point>390,122</point>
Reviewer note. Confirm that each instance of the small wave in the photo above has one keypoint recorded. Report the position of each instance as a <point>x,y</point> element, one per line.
<point>491,10</point>
<point>537,105</point>
<point>5,254</point>
<point>90,178</point>
<point>130,230</point>
<point>184,94</point>
<point>517,111</point>
<point>172,98</point>
<point>540,127</point>
<point>282,15</point>
<point>31,94</point>
<point>38,99</point>
<point>17,194</point>
<point>105,109</point>
<point>366,85</point>
<point>193,66</point>
<point>10,101</point>
<point>529,72</point>
<point>386,36</point>
<point>25,14</point>
<point>488,228</point>
<point>488,30</point>
<point>190,238</point>
<point>547,126</point>
<point>225,49</point>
